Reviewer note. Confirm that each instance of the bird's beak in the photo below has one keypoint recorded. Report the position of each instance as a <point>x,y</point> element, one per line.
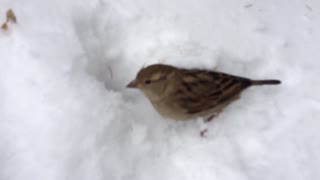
<point>133,84</point>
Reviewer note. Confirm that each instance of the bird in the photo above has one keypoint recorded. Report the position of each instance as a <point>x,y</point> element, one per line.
<point>183,94</point>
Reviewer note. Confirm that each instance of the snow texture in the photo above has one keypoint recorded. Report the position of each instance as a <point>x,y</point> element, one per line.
<point>65,113</point>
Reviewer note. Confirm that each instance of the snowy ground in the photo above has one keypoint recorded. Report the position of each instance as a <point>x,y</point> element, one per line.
<point>65,113</point>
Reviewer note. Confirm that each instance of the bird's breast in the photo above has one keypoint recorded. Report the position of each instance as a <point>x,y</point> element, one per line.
<point>167,108</point>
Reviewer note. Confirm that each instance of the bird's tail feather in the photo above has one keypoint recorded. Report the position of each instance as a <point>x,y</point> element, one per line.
<point>265,82</point>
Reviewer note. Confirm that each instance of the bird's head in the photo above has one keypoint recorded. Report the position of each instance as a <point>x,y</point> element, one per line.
<point>154,81</point>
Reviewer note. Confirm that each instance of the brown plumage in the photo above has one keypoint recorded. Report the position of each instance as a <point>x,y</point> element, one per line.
<point>189,93</point>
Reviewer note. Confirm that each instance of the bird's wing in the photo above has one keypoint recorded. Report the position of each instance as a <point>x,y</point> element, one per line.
<point>203,90</point>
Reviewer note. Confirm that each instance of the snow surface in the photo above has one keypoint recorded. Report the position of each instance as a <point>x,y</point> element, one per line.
<point>65,113</point>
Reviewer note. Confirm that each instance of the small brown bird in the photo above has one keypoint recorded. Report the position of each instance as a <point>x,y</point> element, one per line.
<point>182,94</point>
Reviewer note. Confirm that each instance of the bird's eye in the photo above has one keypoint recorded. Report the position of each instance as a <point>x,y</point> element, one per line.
<point>147,81</point>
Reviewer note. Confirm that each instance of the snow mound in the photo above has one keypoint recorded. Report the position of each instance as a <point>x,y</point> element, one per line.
<point>65,112</point>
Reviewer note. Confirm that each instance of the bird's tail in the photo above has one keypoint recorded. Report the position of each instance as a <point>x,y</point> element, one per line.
<point>265,82</point>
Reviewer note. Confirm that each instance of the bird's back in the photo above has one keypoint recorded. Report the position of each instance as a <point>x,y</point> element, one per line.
<point>200,91</point>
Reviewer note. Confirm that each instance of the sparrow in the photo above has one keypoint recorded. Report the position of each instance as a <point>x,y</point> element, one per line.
<point>183,94</point>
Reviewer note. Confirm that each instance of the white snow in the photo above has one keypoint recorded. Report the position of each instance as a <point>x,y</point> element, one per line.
<point>65,113</point>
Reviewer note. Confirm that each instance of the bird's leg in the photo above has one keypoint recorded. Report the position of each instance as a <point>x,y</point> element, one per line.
<point>203,132</point>
<point>209,119</point>
<point>222,106</point>
<point>203,126</point>
<point>206,120</point>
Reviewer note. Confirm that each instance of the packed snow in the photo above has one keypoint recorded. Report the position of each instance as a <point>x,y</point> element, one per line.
<point>65,113</point>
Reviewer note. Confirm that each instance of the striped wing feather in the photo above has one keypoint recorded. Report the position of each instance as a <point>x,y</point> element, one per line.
<point>203,90</point>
